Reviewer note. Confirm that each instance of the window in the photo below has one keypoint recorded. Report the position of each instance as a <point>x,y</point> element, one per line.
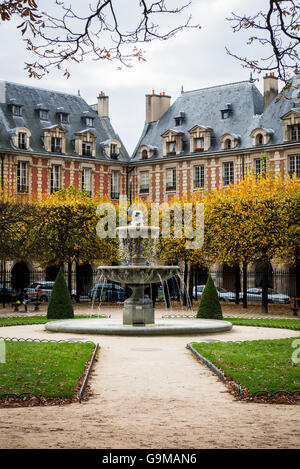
<point>260,166</point>
<point>86,149</point>
<point>56,145</point>
<point>22,177</point>
<point>171,179</point>
<point>17,110</point>
<point>114,192</point>
<point>22,140</point>
<point>86,180</point>
<point>295,165</point>
<point>64,117</point>
<point>114,151</point>
<point>199,177</point>
<point>144,154</point>
<point>89,121</point>
<point>295,132</point>
<point>171,148</point>
<point>225,113</point>
<point>144,181</point>
<point>259,139</point>
<point>227,144</point>
<point>43,114</point>
<point>55,178</point>
<point>198,144</point>
<point>228,173</point>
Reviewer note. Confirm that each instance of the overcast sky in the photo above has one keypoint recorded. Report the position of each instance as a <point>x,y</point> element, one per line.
<point>193,58</point>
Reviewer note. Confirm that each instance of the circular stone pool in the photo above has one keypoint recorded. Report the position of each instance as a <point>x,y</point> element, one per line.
<point>161,327</point>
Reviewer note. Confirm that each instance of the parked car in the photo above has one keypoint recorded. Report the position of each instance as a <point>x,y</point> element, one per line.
<point>107,291</point>
<point>161,296</point>
<point>41,291</point>
<point>223,294</point>
<point>255,294</point>
<point>7,294</point>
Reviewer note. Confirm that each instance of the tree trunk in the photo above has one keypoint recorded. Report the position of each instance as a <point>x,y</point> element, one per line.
<point>78,288</point>
<point>245,300</point>
<point>166,295</point>
<point>237,284</point>
<point>70,277</point>
<point>265,285</point>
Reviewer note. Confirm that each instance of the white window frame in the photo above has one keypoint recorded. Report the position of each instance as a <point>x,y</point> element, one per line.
<point>55,179</point>
<point>115,184</point>
<point>199,180</point>
<point>228,173</point>
<point>22,177</point>
<point>294,165</point>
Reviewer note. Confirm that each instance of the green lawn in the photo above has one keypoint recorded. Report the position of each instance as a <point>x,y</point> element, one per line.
<point>23,321</point>
<point>256,365</point>
<point>293,324</point>
<point>46,369</point>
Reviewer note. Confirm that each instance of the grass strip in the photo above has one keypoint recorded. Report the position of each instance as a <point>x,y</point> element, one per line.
<point>256,365</point>
<point>23,321</point>
<point>293,324</point>
<point>50,370</point>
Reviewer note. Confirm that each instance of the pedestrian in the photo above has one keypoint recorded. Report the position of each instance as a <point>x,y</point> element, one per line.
<point>26,300</point>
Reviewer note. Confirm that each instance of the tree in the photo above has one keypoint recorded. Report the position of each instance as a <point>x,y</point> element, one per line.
<point>253,221</point>
<point>74,31</point>
<point>277,29</point>
<point>60,304</point>
<point>65,231</point>
<point>209,306</point>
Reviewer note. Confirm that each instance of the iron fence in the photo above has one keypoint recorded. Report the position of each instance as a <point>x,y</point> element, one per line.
<point>282,286</point>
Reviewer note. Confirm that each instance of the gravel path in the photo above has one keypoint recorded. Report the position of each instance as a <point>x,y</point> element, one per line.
<point>151,393</point>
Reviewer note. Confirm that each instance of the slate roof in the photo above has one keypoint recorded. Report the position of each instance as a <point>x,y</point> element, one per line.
<point>203,107</point>
<point>31,99</point>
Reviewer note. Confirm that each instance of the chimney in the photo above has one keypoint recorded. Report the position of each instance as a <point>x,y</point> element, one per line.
<point>270,89</point>
<point>102,106</point>
<point>156,106</point>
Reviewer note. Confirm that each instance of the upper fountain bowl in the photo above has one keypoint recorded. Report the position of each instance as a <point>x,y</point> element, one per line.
<point>138,274</point>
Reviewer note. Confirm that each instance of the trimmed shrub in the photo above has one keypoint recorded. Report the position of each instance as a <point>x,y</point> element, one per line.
<point>60,304</point>
<point>209,306</point>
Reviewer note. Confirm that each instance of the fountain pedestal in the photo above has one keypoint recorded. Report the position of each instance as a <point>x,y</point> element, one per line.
<point>138,309</point>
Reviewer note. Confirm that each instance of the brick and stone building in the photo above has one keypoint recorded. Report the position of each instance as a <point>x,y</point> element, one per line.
<point>206,138</point>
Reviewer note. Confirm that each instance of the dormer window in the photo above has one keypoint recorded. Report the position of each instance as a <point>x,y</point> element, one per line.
<point>295,132</point>
<point>225,113</point>
<point>17,110</point>
<point>198,144</point>
<point>171,148</point>
<point>227,144</point>
<point>178,120</point>
<point>112,148</point>
<point>144,154</point>
<point>22,137</point>
<point>229,141</point>
<point>89,121</point>
<point>85,143</point>
<point>64,118</point>
<point>259,139</point>
<point>261,136</point>
<point>56,145</point>
<point>86,149</point>
<point>114,154</point>
<point>200,138</point>
<point>291,126</point>
<point>44,114</point>
<point>172,142</point>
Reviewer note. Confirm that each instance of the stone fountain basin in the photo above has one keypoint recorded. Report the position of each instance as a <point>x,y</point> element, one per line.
<point>138,274</point>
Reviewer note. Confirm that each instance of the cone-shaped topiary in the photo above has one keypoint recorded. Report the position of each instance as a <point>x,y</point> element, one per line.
<point>209,306</point>
<point>60,304</point>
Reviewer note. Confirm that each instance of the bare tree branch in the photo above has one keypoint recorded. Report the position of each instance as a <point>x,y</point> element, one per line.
<point>279,33</point>
<point>55,39</point>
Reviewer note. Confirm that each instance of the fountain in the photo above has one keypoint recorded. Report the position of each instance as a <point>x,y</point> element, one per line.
<point>138,270</point>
